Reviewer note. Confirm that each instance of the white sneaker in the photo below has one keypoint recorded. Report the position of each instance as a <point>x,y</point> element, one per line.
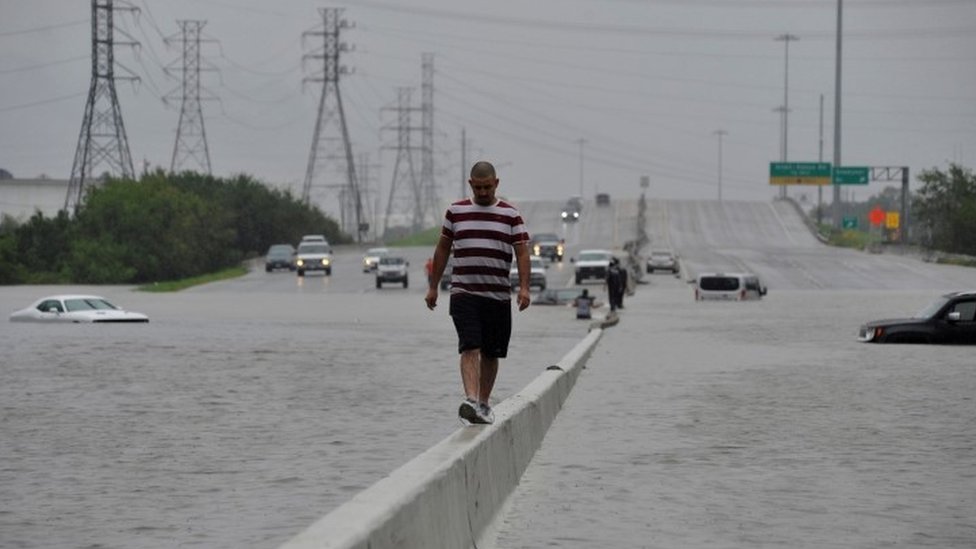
<point>485,413</point>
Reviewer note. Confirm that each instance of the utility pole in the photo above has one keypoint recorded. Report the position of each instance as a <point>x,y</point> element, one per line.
<point>431,200</point>
<point>720,133</point>
<point>464,165</point>
<point>820,159</point>
<point>786,38</point>
<point>191,136</point>
<point>332,117</point>
<point>836,209</point>
<point>102,141</point>
<point>581,142</point>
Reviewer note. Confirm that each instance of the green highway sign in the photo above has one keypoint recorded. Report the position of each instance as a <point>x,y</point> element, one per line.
<point>850,222</point>
<point>852,175</point>
<point>799,173</point>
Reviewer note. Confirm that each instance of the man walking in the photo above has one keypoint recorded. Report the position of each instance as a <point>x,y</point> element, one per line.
<point>484,233</point>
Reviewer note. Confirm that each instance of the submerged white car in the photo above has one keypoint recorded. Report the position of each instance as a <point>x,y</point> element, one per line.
<point>77,309</point>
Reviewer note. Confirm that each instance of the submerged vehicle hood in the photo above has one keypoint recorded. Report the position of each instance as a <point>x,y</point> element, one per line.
<point>890,321</point>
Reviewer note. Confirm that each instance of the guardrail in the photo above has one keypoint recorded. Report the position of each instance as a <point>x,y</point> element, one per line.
<point>453,494</point>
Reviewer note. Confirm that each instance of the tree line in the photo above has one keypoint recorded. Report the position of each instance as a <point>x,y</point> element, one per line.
<point>942,211</point>
<point>161,227</point>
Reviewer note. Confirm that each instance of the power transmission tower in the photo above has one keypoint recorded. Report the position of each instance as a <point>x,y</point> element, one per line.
<point>403,172</point>
<point>102,141</point>
<point>191,135</point>
<point>334,151</point>
<point>429,186</point>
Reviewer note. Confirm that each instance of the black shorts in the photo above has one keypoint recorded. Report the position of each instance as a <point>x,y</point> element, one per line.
<point>482,323</point>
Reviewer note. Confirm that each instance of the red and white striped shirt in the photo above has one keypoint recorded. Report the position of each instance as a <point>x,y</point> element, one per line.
<point>483,238</point>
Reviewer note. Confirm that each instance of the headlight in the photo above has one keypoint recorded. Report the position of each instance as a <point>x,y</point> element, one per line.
<point>559,249</point>
<point>537,249</point>
<point>325,261</point>
<point>300,262</point>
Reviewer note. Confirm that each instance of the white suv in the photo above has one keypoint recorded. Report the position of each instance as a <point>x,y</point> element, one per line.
<point>392,268</point>
<point>592,264</point>
<point>313,256</point>
<point>537,274</point>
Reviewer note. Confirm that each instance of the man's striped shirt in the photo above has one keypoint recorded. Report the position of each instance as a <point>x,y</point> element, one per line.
<point>483,238</point>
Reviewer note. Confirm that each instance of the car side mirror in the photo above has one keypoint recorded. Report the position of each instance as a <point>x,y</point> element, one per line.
<point>954,316</point>
<point>572,260</point>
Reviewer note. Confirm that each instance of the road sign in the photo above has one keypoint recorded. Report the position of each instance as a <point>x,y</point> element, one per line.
<point>850,222</point>
<point>851,175</point>
<point>876,216</point>
<point>891,220</point>
<point>799,173</point>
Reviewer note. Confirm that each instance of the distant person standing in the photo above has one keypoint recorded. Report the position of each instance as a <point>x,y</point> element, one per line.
<point>485,233</point>
<point>616,284</point>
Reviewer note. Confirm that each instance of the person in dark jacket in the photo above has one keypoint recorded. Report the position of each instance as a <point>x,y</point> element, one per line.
<point>616,284</point>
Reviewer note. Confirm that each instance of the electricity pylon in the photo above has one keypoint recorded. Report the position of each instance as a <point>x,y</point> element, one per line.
<point>336,150</point>
<point>102,142</point>
<point>403,171</point>
<point>191,135</point>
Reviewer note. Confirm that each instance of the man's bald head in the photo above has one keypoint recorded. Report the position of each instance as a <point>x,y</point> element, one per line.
<point>482,170</point>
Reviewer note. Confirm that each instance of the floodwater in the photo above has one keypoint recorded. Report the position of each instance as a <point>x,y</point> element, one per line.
<point>232,419</point>
<point>757,424</point>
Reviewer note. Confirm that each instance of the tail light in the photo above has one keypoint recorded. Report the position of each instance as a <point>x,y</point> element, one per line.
<point>742,295</point>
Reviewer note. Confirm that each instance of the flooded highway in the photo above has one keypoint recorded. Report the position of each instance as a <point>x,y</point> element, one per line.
<point>247,409</point>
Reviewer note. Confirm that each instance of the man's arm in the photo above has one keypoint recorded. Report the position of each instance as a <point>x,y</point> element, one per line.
<point>524,273</point>
<point>441,253</point>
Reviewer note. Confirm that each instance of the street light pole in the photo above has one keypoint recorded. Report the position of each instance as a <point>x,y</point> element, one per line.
<point>720,133</point>
<point>786,38</point>
<point>581,141</point>
<point>836,205</point>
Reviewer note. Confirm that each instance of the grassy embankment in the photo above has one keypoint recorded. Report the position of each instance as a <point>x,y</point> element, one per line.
<point>177,285</point>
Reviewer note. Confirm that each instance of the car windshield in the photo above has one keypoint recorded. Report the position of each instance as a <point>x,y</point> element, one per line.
<point>546,237</point>
<point>87,304</point>
<point>376,251</point>
<point>719,283</point>
<point>279,252</point>
<point>391,261</point>
<point>661,255</point>
<point>594,256</point>
<point>932,308</point>
<point>314,249</point>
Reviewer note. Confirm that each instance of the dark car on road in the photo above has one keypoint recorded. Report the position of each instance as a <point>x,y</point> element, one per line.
<point>280,256</point>
<point>572,210</point>
<point>548,245</point>
<point>951,318</point>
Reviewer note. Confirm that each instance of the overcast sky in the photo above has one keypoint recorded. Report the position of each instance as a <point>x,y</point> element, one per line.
<point>646,83</point>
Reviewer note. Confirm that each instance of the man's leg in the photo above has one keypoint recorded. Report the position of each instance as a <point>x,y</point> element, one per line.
<point>486,382</point>
<point>470,372</point>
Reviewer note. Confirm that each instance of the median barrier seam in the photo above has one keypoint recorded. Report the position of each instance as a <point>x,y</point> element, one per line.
<point>452,494</point>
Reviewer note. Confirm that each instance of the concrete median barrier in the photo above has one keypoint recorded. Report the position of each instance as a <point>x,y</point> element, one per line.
<point>451,495</point>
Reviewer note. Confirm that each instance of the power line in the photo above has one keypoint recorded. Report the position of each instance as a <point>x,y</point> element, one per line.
<point>45,28</point>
